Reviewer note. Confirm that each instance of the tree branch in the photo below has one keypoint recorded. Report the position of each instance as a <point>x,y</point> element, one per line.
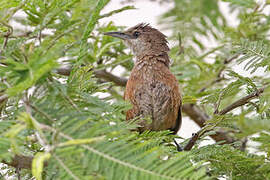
<point>192,141</point>
<point>3,98</point>
<point>20,161</point>
<point>242,101</point>
<point>10,31</point>
<point>199,117</point>
<point>102,74</point>
<point>65,71</point>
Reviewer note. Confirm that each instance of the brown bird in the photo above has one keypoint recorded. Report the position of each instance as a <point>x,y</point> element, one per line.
<point>152,89</point>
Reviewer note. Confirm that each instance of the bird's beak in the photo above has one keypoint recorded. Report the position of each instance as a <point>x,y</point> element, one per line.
<point>118,35</point>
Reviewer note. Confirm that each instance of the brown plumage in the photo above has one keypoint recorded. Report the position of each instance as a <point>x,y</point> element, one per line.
<point>152,89</point>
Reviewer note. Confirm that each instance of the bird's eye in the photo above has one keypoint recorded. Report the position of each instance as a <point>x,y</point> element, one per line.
<point>136,34</point>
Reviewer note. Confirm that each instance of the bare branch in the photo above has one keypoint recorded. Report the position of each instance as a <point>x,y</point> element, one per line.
<point>195,113</point>
<point>103,74</point>
<point>3,98</point>
<point>242,101</point>
<point>20,161</point>
<point>199,117</point>
<point>227,61</point>
<point>110,77</point>
<point>65,71</point>
<point>10,31</point>
<point>192,141</point>
<point>181,47</point>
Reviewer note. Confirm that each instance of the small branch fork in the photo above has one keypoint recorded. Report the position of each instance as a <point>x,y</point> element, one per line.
<point>238,103</point>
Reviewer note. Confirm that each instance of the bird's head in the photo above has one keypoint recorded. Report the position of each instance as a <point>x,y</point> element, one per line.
<point>143,40</point>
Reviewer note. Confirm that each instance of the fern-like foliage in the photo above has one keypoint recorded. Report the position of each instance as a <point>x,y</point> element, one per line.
<point>254,54</point>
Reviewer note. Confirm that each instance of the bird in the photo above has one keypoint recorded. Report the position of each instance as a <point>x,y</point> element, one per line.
<point>152,89</point>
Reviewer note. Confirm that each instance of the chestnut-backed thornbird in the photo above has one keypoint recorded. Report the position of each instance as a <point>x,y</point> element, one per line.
<point>151,89</point>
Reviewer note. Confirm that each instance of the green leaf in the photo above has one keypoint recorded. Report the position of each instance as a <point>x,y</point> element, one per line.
<point>81,141</point>
<point>15,130</point>
<point>117,11</point>
<point>189,99</point>
<point>38,163</point>
<point>32,78</point>
<point>243,79</point>
<point>245,3</point>
<point>104,48</point>
<point>89,28</point>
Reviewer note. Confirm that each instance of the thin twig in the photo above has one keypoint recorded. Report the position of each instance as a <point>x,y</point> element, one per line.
<point>181,47</point>
<point>103,74</point>
<point>192,141</point>
<point>3,98</point>
<point>53,41</point>
<point>41,112</point>
<point>110,77</point>
<point>200,117</point>
<point>227,61</point>
<point>65,71</point>
<point>242,101</point>
<point>25,34</point>
<point>20,161</point>
<point>39,36</point>
<point>39,134</point>
<point>70,101</point>
<point>5,42</point>
<point>10,31</point>
<point>67,98</point>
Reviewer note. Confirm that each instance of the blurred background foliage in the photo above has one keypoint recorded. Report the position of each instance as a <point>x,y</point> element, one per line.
<point>61,108</point>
